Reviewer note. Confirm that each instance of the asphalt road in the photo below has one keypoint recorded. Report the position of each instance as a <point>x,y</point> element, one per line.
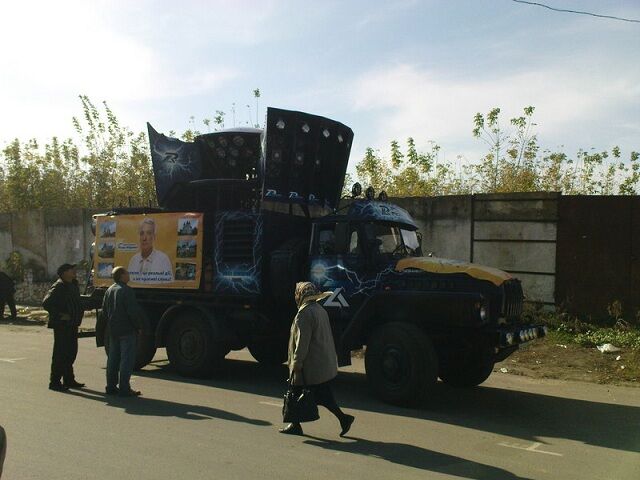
<point>226,427</point>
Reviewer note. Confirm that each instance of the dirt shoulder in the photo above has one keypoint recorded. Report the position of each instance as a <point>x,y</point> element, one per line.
<point>549,358</point>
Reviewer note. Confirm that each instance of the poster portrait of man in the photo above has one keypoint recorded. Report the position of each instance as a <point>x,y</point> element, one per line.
<point>149,265</point>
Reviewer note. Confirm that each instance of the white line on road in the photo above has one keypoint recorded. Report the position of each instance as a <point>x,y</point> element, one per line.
<point>531,448</point>
<point>273,404</point>
<point>11,360</point>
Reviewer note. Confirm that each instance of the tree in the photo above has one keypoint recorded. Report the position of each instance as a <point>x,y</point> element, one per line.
<point>513,163</point>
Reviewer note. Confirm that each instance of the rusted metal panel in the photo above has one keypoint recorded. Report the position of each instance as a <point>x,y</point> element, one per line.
<point>635,258</point>
<point>593,254</point>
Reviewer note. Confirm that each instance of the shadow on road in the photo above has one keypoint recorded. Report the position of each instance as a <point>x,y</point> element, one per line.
<point>416,457</point>
<point>164,408</point>
<point>24,321</point>
<point>521,415</point>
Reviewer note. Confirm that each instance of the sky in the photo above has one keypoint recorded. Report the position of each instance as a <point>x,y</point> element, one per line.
<point>388,69</point>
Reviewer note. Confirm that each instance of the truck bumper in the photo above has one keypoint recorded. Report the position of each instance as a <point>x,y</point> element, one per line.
<point>520,335</point>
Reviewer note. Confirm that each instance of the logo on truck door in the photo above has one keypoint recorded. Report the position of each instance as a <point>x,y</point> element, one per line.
<point>336,299</point>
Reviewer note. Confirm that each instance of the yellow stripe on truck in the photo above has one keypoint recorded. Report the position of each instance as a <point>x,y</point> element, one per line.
<point>445,265</point>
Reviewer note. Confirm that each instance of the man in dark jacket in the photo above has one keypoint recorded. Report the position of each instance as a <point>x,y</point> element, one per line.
<point>124,318</point>
<point>7,289</point>
<point>63,303</point>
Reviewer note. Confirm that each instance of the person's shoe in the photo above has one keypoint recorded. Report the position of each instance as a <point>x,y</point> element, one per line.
<point>58,387</point>
<point>112,390</point>
<point>346,423</point>
<point>292,429</point>
<point>73,384</point>
<point>130,393</point>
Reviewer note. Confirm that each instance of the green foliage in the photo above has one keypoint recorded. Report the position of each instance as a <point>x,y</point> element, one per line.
<point>565,328</point>
<point>514,162</point>
<point>409,173</point>
<point>113,168</point>
<point>108,165</point>
<point>617,337</point>
<point>14,266</point>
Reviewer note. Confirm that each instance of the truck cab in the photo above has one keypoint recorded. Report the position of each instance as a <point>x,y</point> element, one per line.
<point>419,317</point>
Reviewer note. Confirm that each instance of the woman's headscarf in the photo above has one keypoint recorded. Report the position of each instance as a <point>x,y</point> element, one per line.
<point>307,292</point>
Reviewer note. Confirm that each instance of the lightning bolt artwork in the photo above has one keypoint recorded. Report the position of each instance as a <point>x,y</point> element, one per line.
<point>238,277</point>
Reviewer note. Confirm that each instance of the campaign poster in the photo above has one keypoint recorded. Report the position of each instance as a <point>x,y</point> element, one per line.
<point>160,250</point>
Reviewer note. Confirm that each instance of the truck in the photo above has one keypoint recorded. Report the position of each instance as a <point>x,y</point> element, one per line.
<point>247,213</point>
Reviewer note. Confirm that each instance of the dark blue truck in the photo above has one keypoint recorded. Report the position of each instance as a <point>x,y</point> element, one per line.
<point>272,217</point>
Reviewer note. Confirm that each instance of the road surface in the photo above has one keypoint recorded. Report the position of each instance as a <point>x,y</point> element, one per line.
<point>226,427</point>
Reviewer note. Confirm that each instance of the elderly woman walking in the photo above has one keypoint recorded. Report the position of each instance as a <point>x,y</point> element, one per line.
<point>312,354</point>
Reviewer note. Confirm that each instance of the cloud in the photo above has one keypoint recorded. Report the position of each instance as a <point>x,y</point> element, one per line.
<point>57,50</point>
<point>577,104</point>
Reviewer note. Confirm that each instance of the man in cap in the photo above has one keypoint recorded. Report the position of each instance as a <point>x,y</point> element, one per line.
<point>63,303</point>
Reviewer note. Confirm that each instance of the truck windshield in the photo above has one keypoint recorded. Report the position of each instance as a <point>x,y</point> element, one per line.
<point>410,238</point>
<point>390,239</point>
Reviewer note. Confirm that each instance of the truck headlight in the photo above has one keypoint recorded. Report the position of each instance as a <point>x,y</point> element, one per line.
<point>510,338</point>
<point>483,314</point>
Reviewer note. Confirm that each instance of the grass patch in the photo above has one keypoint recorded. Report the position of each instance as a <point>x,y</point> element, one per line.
<point>567,329</point>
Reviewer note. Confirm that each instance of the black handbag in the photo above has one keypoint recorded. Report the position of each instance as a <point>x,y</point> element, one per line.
<point>299,404</point>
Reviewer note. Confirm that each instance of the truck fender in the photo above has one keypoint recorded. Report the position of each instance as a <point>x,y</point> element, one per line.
<point>369,314</point>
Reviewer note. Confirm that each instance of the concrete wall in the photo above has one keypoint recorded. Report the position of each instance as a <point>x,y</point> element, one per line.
<point>445,223</point>
<point>45,239</point>
<point>6,241</point>
<point>65,237</point>
<point>513,232</point>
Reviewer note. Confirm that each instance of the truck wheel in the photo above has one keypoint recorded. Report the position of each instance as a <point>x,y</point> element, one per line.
<point>146,348</point>
<point>469,372</point>
<point>191,348</point>
<point>270,352</point>
<point>401,364</point>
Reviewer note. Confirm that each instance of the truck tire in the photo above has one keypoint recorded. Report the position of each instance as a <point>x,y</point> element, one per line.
<point>469,372</point>
<point>145,348</point>
<point>191,347</point>
<point>401,364</point>
<point>270,352</point>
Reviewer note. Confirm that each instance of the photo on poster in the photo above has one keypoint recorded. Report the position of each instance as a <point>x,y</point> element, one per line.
<point>108,230</point>
<point>106,249</point>
<point>187,226</point>
<point>150,265</point>
<point>187,248</point>
<point>185,271</point>
<point>104,270</point>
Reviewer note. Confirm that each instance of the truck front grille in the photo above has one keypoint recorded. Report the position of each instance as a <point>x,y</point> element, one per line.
<point>512,299</point>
